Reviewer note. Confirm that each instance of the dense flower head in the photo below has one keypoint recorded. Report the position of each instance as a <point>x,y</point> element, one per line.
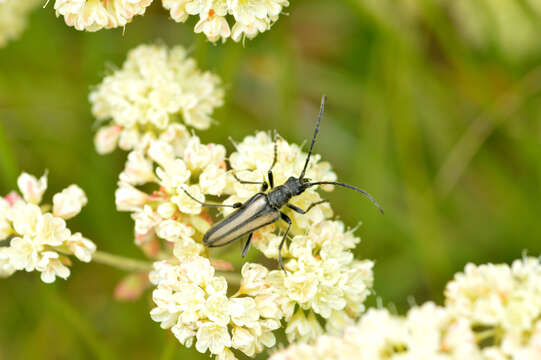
<point>155,87</point>
<point>250,17</point>
<point>492,312</point>
<point>13,18</point>
<point>93,15</point>
<point>323,285</point>
<point>36,239</point>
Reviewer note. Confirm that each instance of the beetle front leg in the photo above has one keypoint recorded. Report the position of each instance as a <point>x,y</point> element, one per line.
<point>247,245</point>
<point>301,211</point>
<point>264,185</point>
<point>289,223</point>
<point>234,206</point>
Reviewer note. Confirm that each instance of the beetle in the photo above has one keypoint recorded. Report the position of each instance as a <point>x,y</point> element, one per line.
<point>264,207</point>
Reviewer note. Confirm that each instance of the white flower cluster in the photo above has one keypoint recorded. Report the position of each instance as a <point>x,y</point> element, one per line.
<point>155,87</point>
<point>13,18</point>
<point>492,312</point>
<point>93,15</point>
<point>251,16</point>
<point>323,279</point>
<point>193,302</point>
<point>39,240</point>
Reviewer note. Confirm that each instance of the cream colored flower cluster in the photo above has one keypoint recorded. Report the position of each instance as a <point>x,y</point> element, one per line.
<point>13,18</point>
<point>93,15</point>
<point>155,87</point>
<point>251,16</point>
<point>323,285</point>
<point>193,302</point>
<point>492,312</point>
<point>38,239</point>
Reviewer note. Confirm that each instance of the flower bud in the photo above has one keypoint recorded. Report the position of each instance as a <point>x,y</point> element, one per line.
<point>32,188</point>
<point>69,202</point>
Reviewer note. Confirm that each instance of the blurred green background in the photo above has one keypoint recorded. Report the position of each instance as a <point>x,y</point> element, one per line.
<point>434,107</point>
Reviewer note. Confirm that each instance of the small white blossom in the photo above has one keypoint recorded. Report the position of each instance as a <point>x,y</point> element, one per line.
<point>106,138</point>
<point>128,198</point>
<point>32,188</point>
<point>81,247</point>
<point>146,98</point>
<point>51,267</point>
<point>69,202</point>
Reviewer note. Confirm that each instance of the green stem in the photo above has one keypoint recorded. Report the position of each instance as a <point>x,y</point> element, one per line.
<point>128,264</point>
<point>120,262</point>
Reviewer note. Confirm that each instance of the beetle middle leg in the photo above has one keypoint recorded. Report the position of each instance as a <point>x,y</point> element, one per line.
<point>247,245</point>
<point>301,211</point>
<point>234,206</point>
<point>289,223</point>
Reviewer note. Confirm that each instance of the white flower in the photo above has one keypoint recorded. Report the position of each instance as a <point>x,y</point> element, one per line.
<point>6,267</point>
<point>244,311</point>
<point>5,224</point>
<point>303,328</point>
<point>217,309</point>
<point>24,253</point>
<point>32,188</point>
<point>248,14</point>
<point>213,337</point>
<point>51,267</point>
<point>150,94</point>
<point>213,180</point>
<point>214,27</point>
<point>138,169</point>
<point>52,230</point>
<point>128,198</point>
<point>25,218</point>
<point>172,230</point>
<point>185,203</point>
<point>69,202</point>
<point>13,18</point>
<point>106,138</point>
<point>93,15</point>
<point>81,247</point>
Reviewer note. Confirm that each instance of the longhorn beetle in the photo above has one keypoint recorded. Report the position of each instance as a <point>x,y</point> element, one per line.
<point>264,207</point>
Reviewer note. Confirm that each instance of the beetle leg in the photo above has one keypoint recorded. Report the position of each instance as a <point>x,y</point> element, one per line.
<point>247,245</point>
<point>264,185</point>
<point>271,179</point>
<point>234,206</point>
<point>301,211</point>
<point>288,221</point>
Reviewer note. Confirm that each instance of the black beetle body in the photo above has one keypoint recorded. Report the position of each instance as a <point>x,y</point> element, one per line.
<point>265,208</point>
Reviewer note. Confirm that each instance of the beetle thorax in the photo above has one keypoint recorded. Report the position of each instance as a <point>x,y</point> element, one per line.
<point>280,195</point>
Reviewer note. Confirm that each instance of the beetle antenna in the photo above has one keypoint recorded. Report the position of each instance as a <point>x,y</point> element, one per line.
<point>349,187</point>
<point>321,109</point>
